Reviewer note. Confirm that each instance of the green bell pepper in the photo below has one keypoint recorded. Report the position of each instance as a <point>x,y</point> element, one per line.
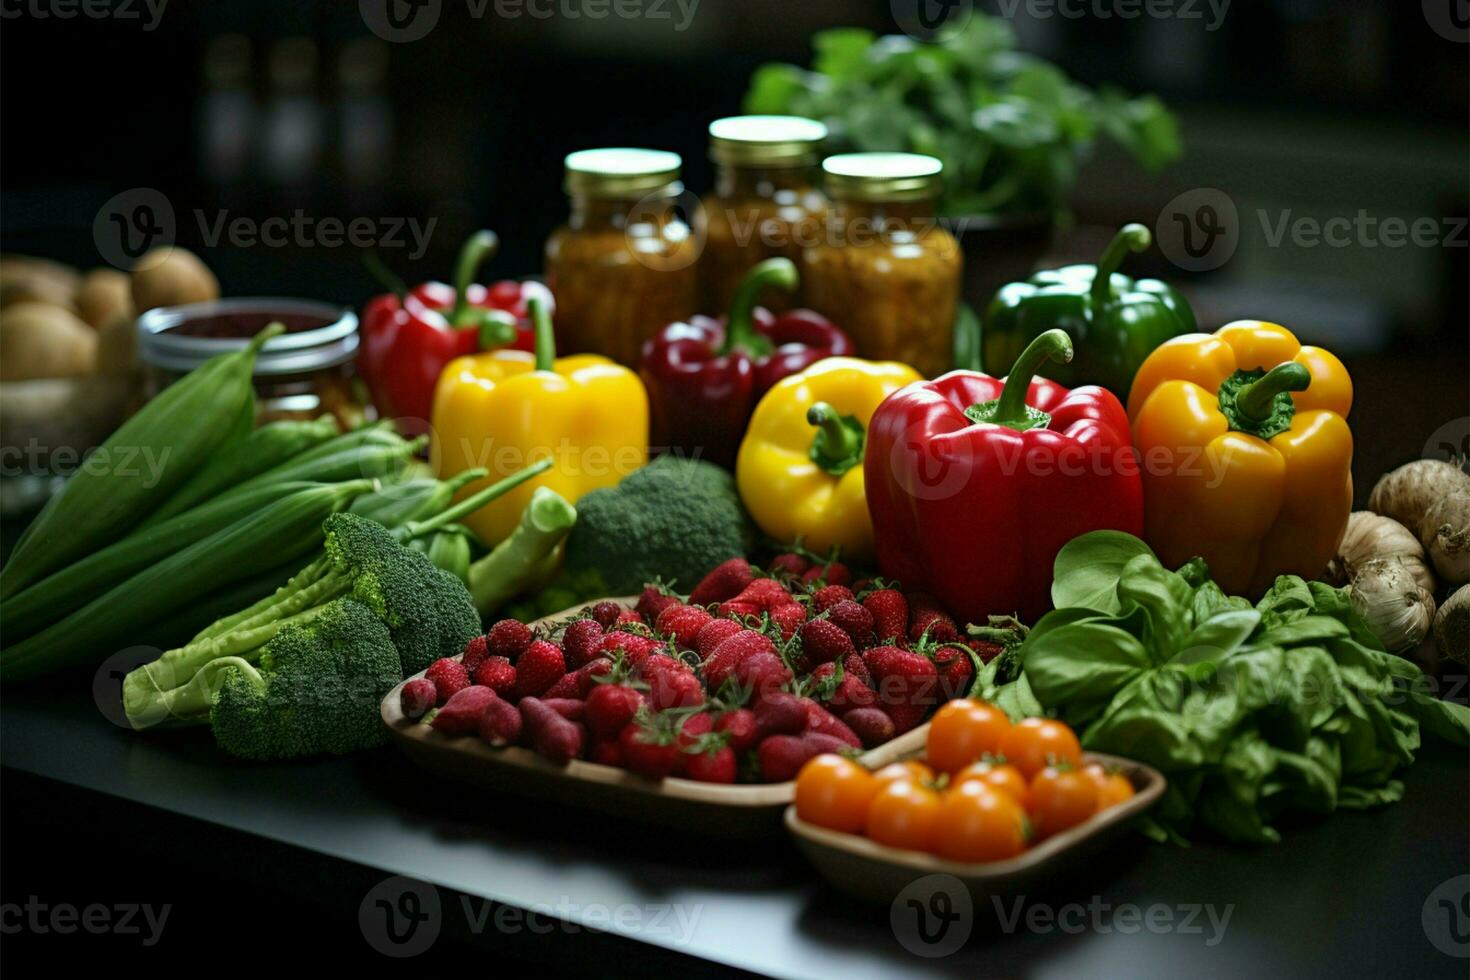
<point>1114,321</point>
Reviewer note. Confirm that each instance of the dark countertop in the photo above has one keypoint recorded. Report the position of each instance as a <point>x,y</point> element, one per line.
<point>1343,896</point>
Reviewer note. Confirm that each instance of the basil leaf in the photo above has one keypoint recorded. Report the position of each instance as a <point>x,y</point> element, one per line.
<point>1081,666</point>
<point>1217,636</point>
<point>1167,598</point>
<point>1087,568</point>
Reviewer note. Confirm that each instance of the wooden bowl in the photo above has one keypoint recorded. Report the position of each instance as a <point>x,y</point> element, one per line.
<point>879,873</point>
<point>732,811</point>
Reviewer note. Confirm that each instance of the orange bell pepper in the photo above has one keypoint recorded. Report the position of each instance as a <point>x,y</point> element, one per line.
<point>1246,453</point>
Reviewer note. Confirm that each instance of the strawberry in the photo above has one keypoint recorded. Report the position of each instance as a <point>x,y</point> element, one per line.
<point>649,744</point>
<point>694,728</point>
<point>509,639</point>
<point>578,683</point>
<point>739,724</point>
<point>541,666</point>
<point>448,677</point>
<point>607,753</point>
<point>787,617</point>
<point>956,671</point>
<point>673,686</point>
<point>500,723</point>
<point>461,713</point>
<point>832,573</point>
<point>790,564</point>
<point>855,667</point>
<point>854,620</point>
<point>781,757</point>
<point>762,674</point>
<point>721,664</point>
<point>635,647</point>
<point>927,617</point>
<point>549,733</point>
<point>986,650</point>
<point>581,641</point>
<point>569,708</point>
<point>830,595</point>
<point>655,599</point>
<point>780,714</point>
<point>712,634</point>
<point>823,722</point>
<point>682,624</point>
<point>474,654</point>
<point>841,689</point>
<point>890,614</point>
<point>823,642</point>
<point>725,582</point>
<point>759,596</point>
<point>610,709</point>
<point>870,725</point>
<point>710,762</point>
<point>606,613</point>
<point>905,682</point>
<point>418,696</point>
<point>498,674</point>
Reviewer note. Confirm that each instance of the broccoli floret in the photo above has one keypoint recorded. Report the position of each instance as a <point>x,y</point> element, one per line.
<point>317,690</point>
<point>674,519</point>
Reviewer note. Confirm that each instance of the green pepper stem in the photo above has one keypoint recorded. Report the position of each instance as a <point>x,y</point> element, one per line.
<point>1130,238</point>
<point>476,249</point>
<point>473,502</point>
<point>273,329</point>
<point>379,270</point>
<point>837,442</point>
<point>740,327</point>
<point>1256,399</point>
<point>545,336</point>
<point>496,327</point>
<point>1053,345</point>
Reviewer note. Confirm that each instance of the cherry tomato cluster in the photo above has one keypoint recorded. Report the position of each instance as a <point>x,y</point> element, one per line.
<point>988,790</point>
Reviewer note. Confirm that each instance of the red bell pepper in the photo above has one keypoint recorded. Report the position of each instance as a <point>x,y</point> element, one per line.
<point>974,484</point>
<point>408,336</point>
<point>705,376</point>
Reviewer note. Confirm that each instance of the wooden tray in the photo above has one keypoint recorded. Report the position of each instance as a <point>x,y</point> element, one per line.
<point>880,873</point>
<point>734,811</point>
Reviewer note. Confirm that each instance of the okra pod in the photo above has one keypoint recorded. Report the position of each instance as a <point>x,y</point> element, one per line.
<point>262,449</point>
<point>415,500</point>
<point>448,549</point>
<point>145,460</point>
<point>49,600</point>
<point>364,461</point>
<point>291,527</point>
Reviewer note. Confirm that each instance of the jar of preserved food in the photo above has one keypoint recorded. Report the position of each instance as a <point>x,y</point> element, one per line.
<point>305,372</point>
<point>623,266</point>
<point>766,202</point>
<point>886,270</point>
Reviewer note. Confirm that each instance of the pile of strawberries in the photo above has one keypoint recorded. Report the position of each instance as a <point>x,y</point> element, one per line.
<point>746,679</point>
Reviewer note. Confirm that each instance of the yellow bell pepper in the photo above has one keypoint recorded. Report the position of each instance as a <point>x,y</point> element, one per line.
<point>1246,454</point>
<point>505,409</point>
<point>800,466</point>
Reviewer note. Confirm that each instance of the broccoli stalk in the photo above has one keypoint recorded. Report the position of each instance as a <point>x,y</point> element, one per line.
<point>527,557</point>
<point>427,611</point>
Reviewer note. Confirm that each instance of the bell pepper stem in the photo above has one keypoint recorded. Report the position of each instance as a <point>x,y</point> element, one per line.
<point>838,444</point>
<point>740,327</point>
<point>379,270</point>
<point>1256,399</point>
<point>1053,345</point>
<point>545,336</point>
<point>476,249</point>
<point>1130,238</point>
<point>473,502</point>
<point>496,327</point>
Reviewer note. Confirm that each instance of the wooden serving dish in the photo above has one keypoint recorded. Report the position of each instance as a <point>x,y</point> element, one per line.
<point>880,873</point>
<point>733,811</point>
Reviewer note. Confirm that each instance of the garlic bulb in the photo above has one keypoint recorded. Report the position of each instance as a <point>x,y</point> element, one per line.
<point>1396,608</point>
<point>1369,536</point>
<point>1445,531</point>
<point>1452,626</point>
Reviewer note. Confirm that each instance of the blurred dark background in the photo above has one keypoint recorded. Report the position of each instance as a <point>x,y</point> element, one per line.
<point>1295,108</point>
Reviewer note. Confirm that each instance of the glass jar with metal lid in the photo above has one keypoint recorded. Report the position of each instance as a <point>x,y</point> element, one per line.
<point>623,266</point>
<point>886,270</point>
<point>766,201</point>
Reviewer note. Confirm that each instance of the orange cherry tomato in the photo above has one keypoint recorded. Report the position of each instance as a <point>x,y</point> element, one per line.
<point>1112,787</point>
<point>1061,797</point>
<point>834,792</point>
<point>907,769</point>
<point>997,775</point>
<point>904,814</point>
<point>1034,743</point>
<point>977,823</point>
<point>962,731</point>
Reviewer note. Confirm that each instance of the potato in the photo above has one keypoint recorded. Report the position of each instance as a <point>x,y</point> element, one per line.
<point>117,346</point>
<point>103,295</point>
<point>171,277</point>
<point>29,280</point>
<point>42,341</point>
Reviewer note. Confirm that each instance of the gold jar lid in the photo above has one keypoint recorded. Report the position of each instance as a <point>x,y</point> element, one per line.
<point>883,176</point>
<point>621,172</point>
<point>766,141</point>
